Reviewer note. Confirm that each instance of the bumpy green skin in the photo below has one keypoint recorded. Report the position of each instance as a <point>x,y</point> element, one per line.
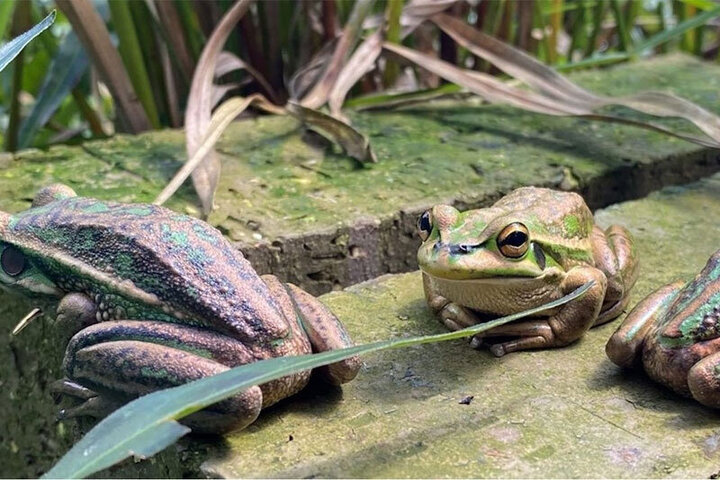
<point>171,300</point>
<point>674,335</point>
<point>468,278</point>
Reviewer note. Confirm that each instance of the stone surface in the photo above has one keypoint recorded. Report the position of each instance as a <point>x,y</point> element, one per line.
<point>301,209</point>
<point>555,413</point>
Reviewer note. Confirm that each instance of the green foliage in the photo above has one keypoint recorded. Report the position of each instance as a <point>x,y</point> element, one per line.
<point>160,42</point>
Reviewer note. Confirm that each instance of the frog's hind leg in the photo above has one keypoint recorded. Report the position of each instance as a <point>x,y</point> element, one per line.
<point>322,328</point>
<point>109,359</point>
<point>613,252</point>
<point>704,380</point>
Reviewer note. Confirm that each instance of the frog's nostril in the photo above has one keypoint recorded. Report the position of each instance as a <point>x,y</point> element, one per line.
<point>462,248</point>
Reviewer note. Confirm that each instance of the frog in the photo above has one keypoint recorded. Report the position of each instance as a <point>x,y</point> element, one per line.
<point>532,246</point>
<point>151,299</point>
<point>673,334</point>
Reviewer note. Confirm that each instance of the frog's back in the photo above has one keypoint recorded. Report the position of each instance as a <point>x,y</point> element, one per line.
<point>180,264</point>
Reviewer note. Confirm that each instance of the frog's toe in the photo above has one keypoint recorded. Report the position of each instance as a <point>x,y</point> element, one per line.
<point>704,381</point>
<point>96,407</point>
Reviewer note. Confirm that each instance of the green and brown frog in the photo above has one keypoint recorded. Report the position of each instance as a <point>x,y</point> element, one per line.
<point>674,334</point>
<point>532,246</point>
<point>155,299</point>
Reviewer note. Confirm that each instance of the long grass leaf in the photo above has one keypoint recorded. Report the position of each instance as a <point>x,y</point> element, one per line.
<point>679,29</point>
<point>134,427</point>
<point>11,49</point>
<point>199,107</point>
<point>228,62</point>
<point>6,14</point>
<point>67,67</point>
<point>132,56</point>
<point>352,141</point>
<point>92,32</point>
<point>488,87</point>
<point>176,42</point>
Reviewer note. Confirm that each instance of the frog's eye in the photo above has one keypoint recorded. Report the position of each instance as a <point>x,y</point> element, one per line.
<point>424,225</point>
<point>513,240</point>
<point>12,261</point>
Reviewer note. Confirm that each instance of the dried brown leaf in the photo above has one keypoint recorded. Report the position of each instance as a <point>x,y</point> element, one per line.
<point>228,62</point>
<point>221,118</point>
<point>200,101</point>
<point>495,91</point>
<point>364,57</point>
<point>486,86</point>
<point>319,94</point>
<point>353,142</point>
<point>538,75</point>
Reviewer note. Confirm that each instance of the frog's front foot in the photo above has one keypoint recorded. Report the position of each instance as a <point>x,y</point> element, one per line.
<point>564,327</point>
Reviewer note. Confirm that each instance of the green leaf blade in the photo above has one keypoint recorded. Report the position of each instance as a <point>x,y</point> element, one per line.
<point>12,48</point>
<point>66,69</point>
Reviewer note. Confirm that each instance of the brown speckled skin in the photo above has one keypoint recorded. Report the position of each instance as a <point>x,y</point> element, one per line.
<point>467,278</point>
<point>674,335</point>
<point>170,299</point>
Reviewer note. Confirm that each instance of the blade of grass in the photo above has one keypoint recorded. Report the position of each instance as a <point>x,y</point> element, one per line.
<point>353,142</point>
<point>20,22</point>
<point>131,53</point>
<point>6,13</point>
<point>598,16</point>
<point>488,87</point>
<point>93,34</point>
<point>11,49</point>
<point>90,115</point>
<point>67,67</point>
<point>392,14</point>
<point>385,100</point>
<point>199,106</point>
<point>623,34</point>
<point>148,424</point>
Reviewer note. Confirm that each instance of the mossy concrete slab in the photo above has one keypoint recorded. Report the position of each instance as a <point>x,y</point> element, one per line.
<point>555,413</point>
<point>301,209</point>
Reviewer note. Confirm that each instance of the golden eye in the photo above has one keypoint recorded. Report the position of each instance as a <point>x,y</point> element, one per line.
<point>424,225</point>
<point>513,240</point>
